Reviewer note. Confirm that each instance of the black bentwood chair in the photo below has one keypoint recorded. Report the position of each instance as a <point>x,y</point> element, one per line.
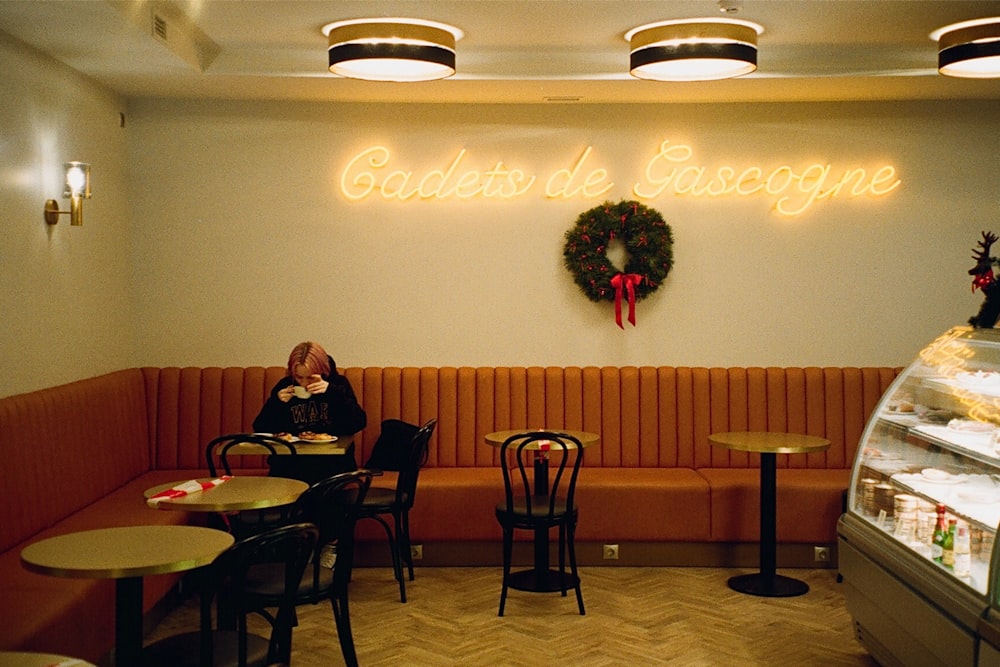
<point>539,477</point>
<point>249,522</point>
<point>287,550</point>
<point>217,451</point>
<point>401,447</point>
<point>332,505</point>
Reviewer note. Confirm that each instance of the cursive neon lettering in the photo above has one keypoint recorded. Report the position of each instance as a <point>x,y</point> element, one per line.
<point>426,189</point>
<point>723,176</point>
<point>883,181</point>
<point>810,183</point>
<point>751,174</point>
<point>363,182</point>
<point>671,170</point>
<point>657,174</point>
<point>795,191</point>
<point>394,185</point>
<point>593,184</point>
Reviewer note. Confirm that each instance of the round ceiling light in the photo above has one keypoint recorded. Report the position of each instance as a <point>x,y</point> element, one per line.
<point>970,49</point>
<point>703,49</point>
<point>392,49</point>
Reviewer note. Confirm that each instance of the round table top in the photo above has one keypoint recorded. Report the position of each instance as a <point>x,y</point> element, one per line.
<point>29,659</point>
<point>128,551</point>
<point>339,446</point>
<point>497,439</point>
<point>247,492</point>
<point>769,442</point>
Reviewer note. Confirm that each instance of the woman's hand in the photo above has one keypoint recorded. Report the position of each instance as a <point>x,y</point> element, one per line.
<point>317,384</point>
<point>285,395</point>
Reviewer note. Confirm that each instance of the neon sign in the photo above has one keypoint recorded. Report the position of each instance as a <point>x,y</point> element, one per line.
<point>370,174</point>
<point>794,191</point>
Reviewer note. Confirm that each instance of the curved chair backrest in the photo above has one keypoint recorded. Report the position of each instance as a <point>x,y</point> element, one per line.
<point>216,452</point>
<point>333,505</point>
<point>540,470</point>
<point>402,447</point>
<point>290,546</point>
<point>406,485</point>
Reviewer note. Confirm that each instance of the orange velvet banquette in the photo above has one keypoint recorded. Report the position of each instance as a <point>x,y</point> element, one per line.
<point>79,456</point>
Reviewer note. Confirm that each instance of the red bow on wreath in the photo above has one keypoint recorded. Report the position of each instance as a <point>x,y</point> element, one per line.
<point>628,281</point>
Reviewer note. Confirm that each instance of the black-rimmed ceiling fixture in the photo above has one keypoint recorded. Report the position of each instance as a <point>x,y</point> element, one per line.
<point>698,49</point>
<point>970,49</point>
<point>392,49</point>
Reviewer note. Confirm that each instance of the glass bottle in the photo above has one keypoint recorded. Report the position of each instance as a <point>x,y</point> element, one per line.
<point>963,557</point>
<point>948,548</point>
<point>940,530</point>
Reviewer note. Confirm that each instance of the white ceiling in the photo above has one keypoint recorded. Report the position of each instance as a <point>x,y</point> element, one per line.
<point>517,51</point>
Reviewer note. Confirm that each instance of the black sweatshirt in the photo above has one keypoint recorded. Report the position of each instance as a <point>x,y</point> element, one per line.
<point>336,411</point>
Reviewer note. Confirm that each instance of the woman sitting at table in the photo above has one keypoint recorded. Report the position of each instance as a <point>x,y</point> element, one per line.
<point>312,397</point>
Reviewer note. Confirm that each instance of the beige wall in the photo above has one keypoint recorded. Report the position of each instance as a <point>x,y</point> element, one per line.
<point>239,218</point>
<point>64,292</point>
<point>217,234</point>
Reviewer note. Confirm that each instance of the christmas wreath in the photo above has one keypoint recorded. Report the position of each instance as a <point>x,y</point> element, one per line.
<point>648,244</point>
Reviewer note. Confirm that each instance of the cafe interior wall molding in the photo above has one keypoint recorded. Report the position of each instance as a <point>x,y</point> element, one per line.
<point>218,217</point>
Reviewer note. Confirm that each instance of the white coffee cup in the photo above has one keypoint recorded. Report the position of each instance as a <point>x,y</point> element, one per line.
<point>301,392</point>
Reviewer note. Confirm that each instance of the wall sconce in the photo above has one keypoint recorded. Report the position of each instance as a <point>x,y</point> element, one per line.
<point>704,49</point>
<point>77,188</point>
<point>970,49</point>
<point>392,49</point>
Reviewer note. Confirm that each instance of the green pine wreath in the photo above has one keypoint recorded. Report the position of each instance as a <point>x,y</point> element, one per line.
<point>648,244</point>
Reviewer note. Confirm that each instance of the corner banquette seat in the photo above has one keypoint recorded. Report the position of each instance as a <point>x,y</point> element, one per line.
<point>78,456</point>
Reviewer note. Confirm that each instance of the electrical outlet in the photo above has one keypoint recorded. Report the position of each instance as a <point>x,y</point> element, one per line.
<point>821,554</point>
<point>416,551</point>
<point>610,552</point>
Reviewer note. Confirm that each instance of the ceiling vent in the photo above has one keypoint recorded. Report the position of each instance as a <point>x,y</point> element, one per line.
<point>159,27</point>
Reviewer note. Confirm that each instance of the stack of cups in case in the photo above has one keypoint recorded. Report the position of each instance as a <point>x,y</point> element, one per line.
<point>926,521</point>
<point>983,545</point>
<point>905,517</point>
<point>883,498</point>
<point>868,496</point>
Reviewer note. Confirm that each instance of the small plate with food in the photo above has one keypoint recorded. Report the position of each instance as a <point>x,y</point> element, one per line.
<point>971,430</point>
<point>310,436</point>
<point>939,476</point>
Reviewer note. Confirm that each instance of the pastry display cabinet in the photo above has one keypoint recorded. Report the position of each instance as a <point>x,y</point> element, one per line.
<point>932,444</point>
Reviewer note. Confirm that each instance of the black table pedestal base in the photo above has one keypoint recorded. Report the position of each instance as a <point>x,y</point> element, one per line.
<point>545,581</point>
<point>775,586</point>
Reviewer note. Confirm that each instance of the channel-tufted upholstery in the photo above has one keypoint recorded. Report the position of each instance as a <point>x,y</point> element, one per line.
<point>79,456</point>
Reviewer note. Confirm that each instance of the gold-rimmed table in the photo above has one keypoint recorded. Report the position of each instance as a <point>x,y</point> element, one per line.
<point>540,578</point>
<point>126,554</point>
<point>247,492</point>
<point>32,659</point>
<point>341,446</point>
<point>766,582</point>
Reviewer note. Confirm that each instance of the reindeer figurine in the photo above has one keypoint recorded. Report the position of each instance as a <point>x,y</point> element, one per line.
<point>983,278</point>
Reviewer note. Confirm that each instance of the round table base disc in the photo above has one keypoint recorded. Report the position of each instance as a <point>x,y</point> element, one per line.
<point>768,587</point>
<point>544,582</point>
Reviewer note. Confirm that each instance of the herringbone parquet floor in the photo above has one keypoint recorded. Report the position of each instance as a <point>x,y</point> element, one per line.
<point>635,617</point>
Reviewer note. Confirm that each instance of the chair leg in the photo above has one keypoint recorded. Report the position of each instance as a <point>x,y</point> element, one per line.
<point>342,617</point>
<point>571,544</point>
<point>405,543</point>
<point>397,566</point>
<point>508,548</point>
<point>399,557</point>
<point>562,557</point>
<point>280,649</point>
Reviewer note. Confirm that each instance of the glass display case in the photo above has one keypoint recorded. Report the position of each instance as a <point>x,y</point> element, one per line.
<point>929,459</point>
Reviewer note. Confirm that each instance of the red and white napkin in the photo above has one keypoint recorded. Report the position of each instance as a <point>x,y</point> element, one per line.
<point>186,489</point>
